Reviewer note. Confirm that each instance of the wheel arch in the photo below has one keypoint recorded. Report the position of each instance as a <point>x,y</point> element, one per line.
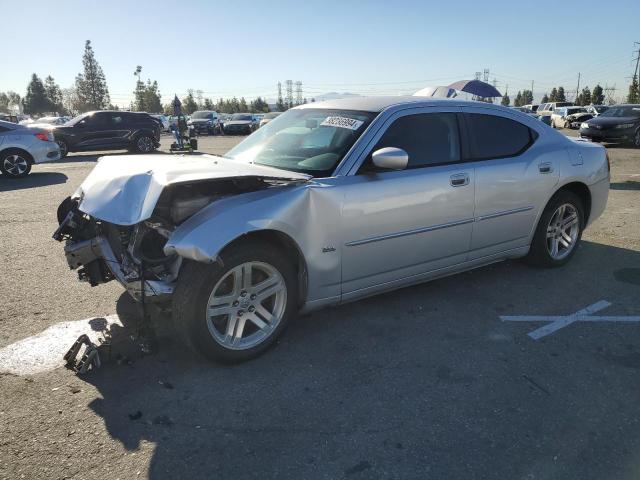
<point>284,243</point>
<point>22,151</point>
<point>582,191</point>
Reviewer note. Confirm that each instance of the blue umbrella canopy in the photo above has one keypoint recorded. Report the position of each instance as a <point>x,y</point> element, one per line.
<point>476,87</point>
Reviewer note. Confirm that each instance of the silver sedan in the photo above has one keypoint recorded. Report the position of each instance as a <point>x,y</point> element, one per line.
<point>22,146</point>
<point>329,203</point>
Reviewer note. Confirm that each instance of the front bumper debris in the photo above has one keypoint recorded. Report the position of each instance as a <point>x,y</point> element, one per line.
<point>97,264</point>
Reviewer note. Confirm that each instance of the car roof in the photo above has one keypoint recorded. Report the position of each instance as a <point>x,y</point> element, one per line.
<point>378,104</point>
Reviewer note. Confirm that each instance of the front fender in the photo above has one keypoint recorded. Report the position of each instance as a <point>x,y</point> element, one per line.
<point>308,214</point>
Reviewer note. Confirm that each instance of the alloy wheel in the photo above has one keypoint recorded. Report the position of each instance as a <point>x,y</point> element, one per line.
<point>15,165</point>
<point>144,144</point>
<point>562,231</point>
<point>246,305</point>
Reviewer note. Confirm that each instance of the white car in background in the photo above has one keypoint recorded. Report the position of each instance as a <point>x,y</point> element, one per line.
<point>268,117</point>
<point>22,146</point>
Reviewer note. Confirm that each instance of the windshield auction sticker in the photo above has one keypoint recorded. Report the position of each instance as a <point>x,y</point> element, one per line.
<point>342,122</point>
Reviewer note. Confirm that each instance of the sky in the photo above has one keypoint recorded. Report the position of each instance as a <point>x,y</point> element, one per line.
<point>243,48</point>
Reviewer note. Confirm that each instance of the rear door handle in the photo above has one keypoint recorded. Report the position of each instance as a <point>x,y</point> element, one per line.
<point>459,179</point>
<point>545,167</point>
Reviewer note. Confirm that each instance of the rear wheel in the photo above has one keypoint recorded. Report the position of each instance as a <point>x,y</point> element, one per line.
<point>636,138</point>
<point>558,232</point>
<point>15,164</point>
<point>233,313</point>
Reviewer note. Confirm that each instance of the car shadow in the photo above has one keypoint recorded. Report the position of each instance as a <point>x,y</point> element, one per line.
<point>93,157</point>
<point>423,379</point>
<point>33,180</point>
<point>628,185</point>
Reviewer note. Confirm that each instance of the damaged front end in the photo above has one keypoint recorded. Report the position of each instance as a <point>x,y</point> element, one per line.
<point>134,255</point>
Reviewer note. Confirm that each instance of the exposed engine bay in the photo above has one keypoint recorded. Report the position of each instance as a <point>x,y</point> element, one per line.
<point>134,254</point>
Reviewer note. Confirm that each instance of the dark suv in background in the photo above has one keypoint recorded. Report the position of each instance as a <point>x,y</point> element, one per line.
<point>108,130</point>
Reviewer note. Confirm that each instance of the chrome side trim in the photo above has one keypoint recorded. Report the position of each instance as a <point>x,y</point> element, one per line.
<point>506,212</point>
<point>364,241</point>
<point>408,232</point>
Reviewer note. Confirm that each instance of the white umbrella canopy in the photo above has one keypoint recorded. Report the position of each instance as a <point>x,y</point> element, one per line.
<point>438,92</point>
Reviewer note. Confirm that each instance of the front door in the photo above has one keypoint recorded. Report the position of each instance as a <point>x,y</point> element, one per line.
<point>400,224</point>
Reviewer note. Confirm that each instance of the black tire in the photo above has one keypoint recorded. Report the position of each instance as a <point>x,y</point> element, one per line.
<point>15,164</point>
<point>64,148</point>
<point>196,283</point>
<point>144,144</point>
<point>539,254</point>
<point>636,138</point>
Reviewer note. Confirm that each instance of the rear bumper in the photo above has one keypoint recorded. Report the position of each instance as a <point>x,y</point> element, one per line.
<point>45,152</point>
<point>599,196</point>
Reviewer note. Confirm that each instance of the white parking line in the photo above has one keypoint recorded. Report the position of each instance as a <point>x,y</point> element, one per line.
<point>44,351</point>
<point>556,322</point>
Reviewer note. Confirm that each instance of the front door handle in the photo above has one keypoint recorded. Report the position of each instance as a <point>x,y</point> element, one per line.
<point>545,167</point>
<point>459,179</point>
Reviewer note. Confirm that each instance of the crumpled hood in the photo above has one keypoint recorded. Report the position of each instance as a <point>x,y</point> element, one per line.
<point>125,189</point>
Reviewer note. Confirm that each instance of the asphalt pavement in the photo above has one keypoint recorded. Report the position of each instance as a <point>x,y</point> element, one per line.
<point>429,382</point>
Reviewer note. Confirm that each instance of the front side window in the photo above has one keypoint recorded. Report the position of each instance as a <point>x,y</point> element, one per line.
<point>491,136</point>
<point>429,139</point>
<point>310,140</point>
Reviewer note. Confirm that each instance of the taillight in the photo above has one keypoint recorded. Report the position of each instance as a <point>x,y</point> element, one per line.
<point>45,137</point>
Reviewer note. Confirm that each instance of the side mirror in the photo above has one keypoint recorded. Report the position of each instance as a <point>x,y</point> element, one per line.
<point>390,158</point>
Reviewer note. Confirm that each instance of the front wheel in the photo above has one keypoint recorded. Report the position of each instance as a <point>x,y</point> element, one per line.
<point>144,144</point>
<point>14,165</point>
<point>636,139</point>
<point>235,312</point>
<point>558,232</point>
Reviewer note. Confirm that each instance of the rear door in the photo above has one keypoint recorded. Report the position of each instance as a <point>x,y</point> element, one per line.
<point>513,179</point>
<point>92,131</point>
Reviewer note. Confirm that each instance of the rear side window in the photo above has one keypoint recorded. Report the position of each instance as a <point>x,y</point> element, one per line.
<point>429,138</point>
<point>491,136</point>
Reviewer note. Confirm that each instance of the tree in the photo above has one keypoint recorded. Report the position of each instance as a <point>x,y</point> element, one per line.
<point>36,100</point>
<point>518,100</point>
<point>243,105</point>
<point>545,98</point>
<point>634,91</point>
<point>258,105</point>
<point>4,102</point>
<point>560,96</point>
<point>597,95</point>
<point>71,101</point>
<point>189,104</point>
<point>147,97</point>
<point>54,94</point>
<point>14,100</point>
<point>208,104</point>
<point>527,97</point>
<point>505,100</point>
<point>584,98</point>
<point>91,85</point>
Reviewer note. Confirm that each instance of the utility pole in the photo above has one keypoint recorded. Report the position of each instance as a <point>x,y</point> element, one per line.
<point>578,88</point>
<point>298,92</point>
<point>532,91</point>
<point>637,61</point>
<point>289,84</point>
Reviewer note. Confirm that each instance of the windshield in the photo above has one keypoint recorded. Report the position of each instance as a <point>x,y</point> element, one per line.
<point>621,112</point>
<point>75,120</point>
<point>240,116</point>
<point>308,140</point>
<point>202,115</point>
